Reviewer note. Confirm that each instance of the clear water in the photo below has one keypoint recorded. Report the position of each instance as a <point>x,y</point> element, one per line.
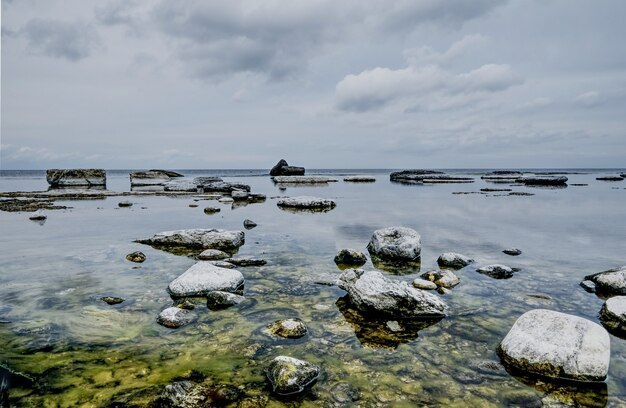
<point>82,352</point>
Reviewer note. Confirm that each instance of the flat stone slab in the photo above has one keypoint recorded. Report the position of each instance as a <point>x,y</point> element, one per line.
<point>359,179</point>
<point>204,277</point>
<point>197,238</point>
<point>303,179</point>
<point>306,202</point>
<point>76,177</point>
<point>543,180</point>
<point>148,178</point>
<point>555,344</point>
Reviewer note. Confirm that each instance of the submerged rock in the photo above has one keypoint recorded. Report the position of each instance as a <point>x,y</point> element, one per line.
<point>444,279</point>
<point>76,177</point>
<point>112,300</point>
<point>373,292</point>
<point>212,255</point>
<point>453,260</point>
<point>612,282</point>
<point>288,328</point>
<point>395,244</point>
<point>125,204</point>
<point>249,224</point>
<point>204,277</point>
<point>559,345</point>
<point>246,261</point>
<point>197,238</point>
<point>350,257</point>
<point>175,317</point>
<point>496,271</point>
<point>282,168</point>
<point>37,216</point>
<point>221,300</point>
<point>512,251</point>
<point>136,256</point>
<point>543,180</point>
<point>610,178</point>
<point>211,210</point>
<point>290,376</point>
<point>613,314</point>
<point>306,202</point>
<point>187,394</point>
<point>359,179</point>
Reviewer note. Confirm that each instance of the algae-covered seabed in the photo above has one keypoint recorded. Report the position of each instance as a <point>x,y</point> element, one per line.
<point>80,351</point>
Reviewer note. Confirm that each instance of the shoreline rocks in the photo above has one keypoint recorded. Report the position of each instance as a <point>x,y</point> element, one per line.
<point>249,224</point>
<point>290,376</point>
<point>197,238</point>
<point>374,293</point>
<point>350,257</point>
<point>496,271</point>
<point>148,178</point>
<point>442,279</point>
<point>613,314</point>
<point>204,277</point>
<point>558,345</point>
<point>76,177</point>
<point>611,282</point>
<point>453,260</point>
<point>282,168</point>
<point>395,244</point>
<point>218,299</point>
<point>112,300</point>
<point>212,255</point>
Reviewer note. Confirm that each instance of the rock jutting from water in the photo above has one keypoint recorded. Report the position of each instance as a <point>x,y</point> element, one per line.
<point>288,328</point>
<point>371,292</point>
<point>112,300</point>
<point>306,202</point>
<point>543,180</point>
<point>350,257</point>
<point>212,255</point>
<point>282,168</point>
<point>453,260</point>
<point>359,179</point>
<point>175,317</point>
<point>204,277</point>
<point>496,271</point>
<point>223,187</point>
<point>303,180</point>
<point>613,315</point>
<point>37,216</point>
<point>239,195</point>
<point>612,282</point>
<point>197,238</point>
<point>211,210</point>
<point>395,244</point>
<point>221,300</point>
<point>148,178</point>
<point>187,394</point>
<point>444,279</point>
<point>249,224</point>
<point>559,345</point>
<point>76,177</point>
<point>290,376</point>
<point>124,204</point>
<point>610,178</point>
<point>512,251</point>
<point>588,285</point>
<point>136,256</point>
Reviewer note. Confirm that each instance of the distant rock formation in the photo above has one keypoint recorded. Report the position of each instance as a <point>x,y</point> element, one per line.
<point>282,168</point>
<point>76,177</point>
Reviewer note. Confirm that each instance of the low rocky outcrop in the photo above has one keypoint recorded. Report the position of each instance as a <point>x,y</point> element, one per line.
<point>205,277</point>
<point>372,292</point>
<point>288,328</point>
<point>168,173</point>
<point>197,238</point>
<point>611,282</point>
<point>502,175</point>
<point>239,195</point>
<point>124,204</point>
<point>212,255</point>
<point>306,202</point>
<point>221,300</point>
<point>543,180</point>
<point>223,187</point>
<point>148,178</point>
<point>496,271</point>
<point>136,256</point>
<point>427,177</point>
<point>290,376</point>
<point>412,175</point>
<point>37,216</point>
<point>184,185</point>
<point>443,279</point>
<point>175,317</point>
<point>76,177</point>
<point>613,315</point>
<point>359,179</point>
<point>303,180</point>
<point>282,168</point>
<point>555,344</point>
<point>453,260</point>
<point>610,178</point>
<point>512,251</point>
<point>350,257</point>
<point>395,244</point>
<point>245,261</point>
<point>249,224</point>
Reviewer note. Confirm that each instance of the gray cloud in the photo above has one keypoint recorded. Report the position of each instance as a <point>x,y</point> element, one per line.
<point>60,39</point>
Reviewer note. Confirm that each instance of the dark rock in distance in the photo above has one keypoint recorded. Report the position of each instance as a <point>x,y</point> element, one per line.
<point>610,178</point>
<point>282,168</point>
<point>125,204</point>
<point>168,173</point>
<point>249,224</point>
<point>76,177</point>
<point>512,251</point>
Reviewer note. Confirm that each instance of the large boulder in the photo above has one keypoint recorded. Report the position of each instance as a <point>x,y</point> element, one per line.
<point>374,293</point>
<point>453,260</point>
<point>282,168</point>
<point>76,177</point>
<point>555,344</point>
<point>395,244</point>
<point>290,376</point>
<point>613,314</point>
<point>205,277</point>
<point>197,238</point>
<point>612,282</point>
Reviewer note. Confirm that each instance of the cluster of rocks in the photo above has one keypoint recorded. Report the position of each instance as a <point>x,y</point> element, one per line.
<point>152,177</point>
<point>427,177</point>
<point>610,284</point>
<point>282,168</point>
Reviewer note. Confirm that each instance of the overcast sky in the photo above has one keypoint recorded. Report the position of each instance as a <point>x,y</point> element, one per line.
<point>323,84</point>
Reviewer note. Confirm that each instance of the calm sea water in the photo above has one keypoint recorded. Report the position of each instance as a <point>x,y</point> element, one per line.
<point>81,352</point>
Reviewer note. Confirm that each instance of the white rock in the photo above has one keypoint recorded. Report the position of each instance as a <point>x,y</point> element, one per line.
<point>424,284</point>
<point>306,202</point>
<point>612,281</point>
<point>613,313</point>
<point>373,292</point>
<point>198,238</point>
<point>395,244</point>
<point>226,200</point>
<point>205,277</point>
<point>454,260</point>
<point>174,317</point>
<point>212,255</point>
<point>556,344</point>
<point>239,194</point>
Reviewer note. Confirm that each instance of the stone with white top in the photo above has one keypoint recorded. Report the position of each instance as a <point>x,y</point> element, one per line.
<point>197,238</point>
<point>612,282</point>
<point>205,277</point>
<point>454,260</point>
<point>613,314</point>
<point>397,244</point>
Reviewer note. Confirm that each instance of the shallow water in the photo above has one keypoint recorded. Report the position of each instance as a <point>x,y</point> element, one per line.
<point>80,351</point>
